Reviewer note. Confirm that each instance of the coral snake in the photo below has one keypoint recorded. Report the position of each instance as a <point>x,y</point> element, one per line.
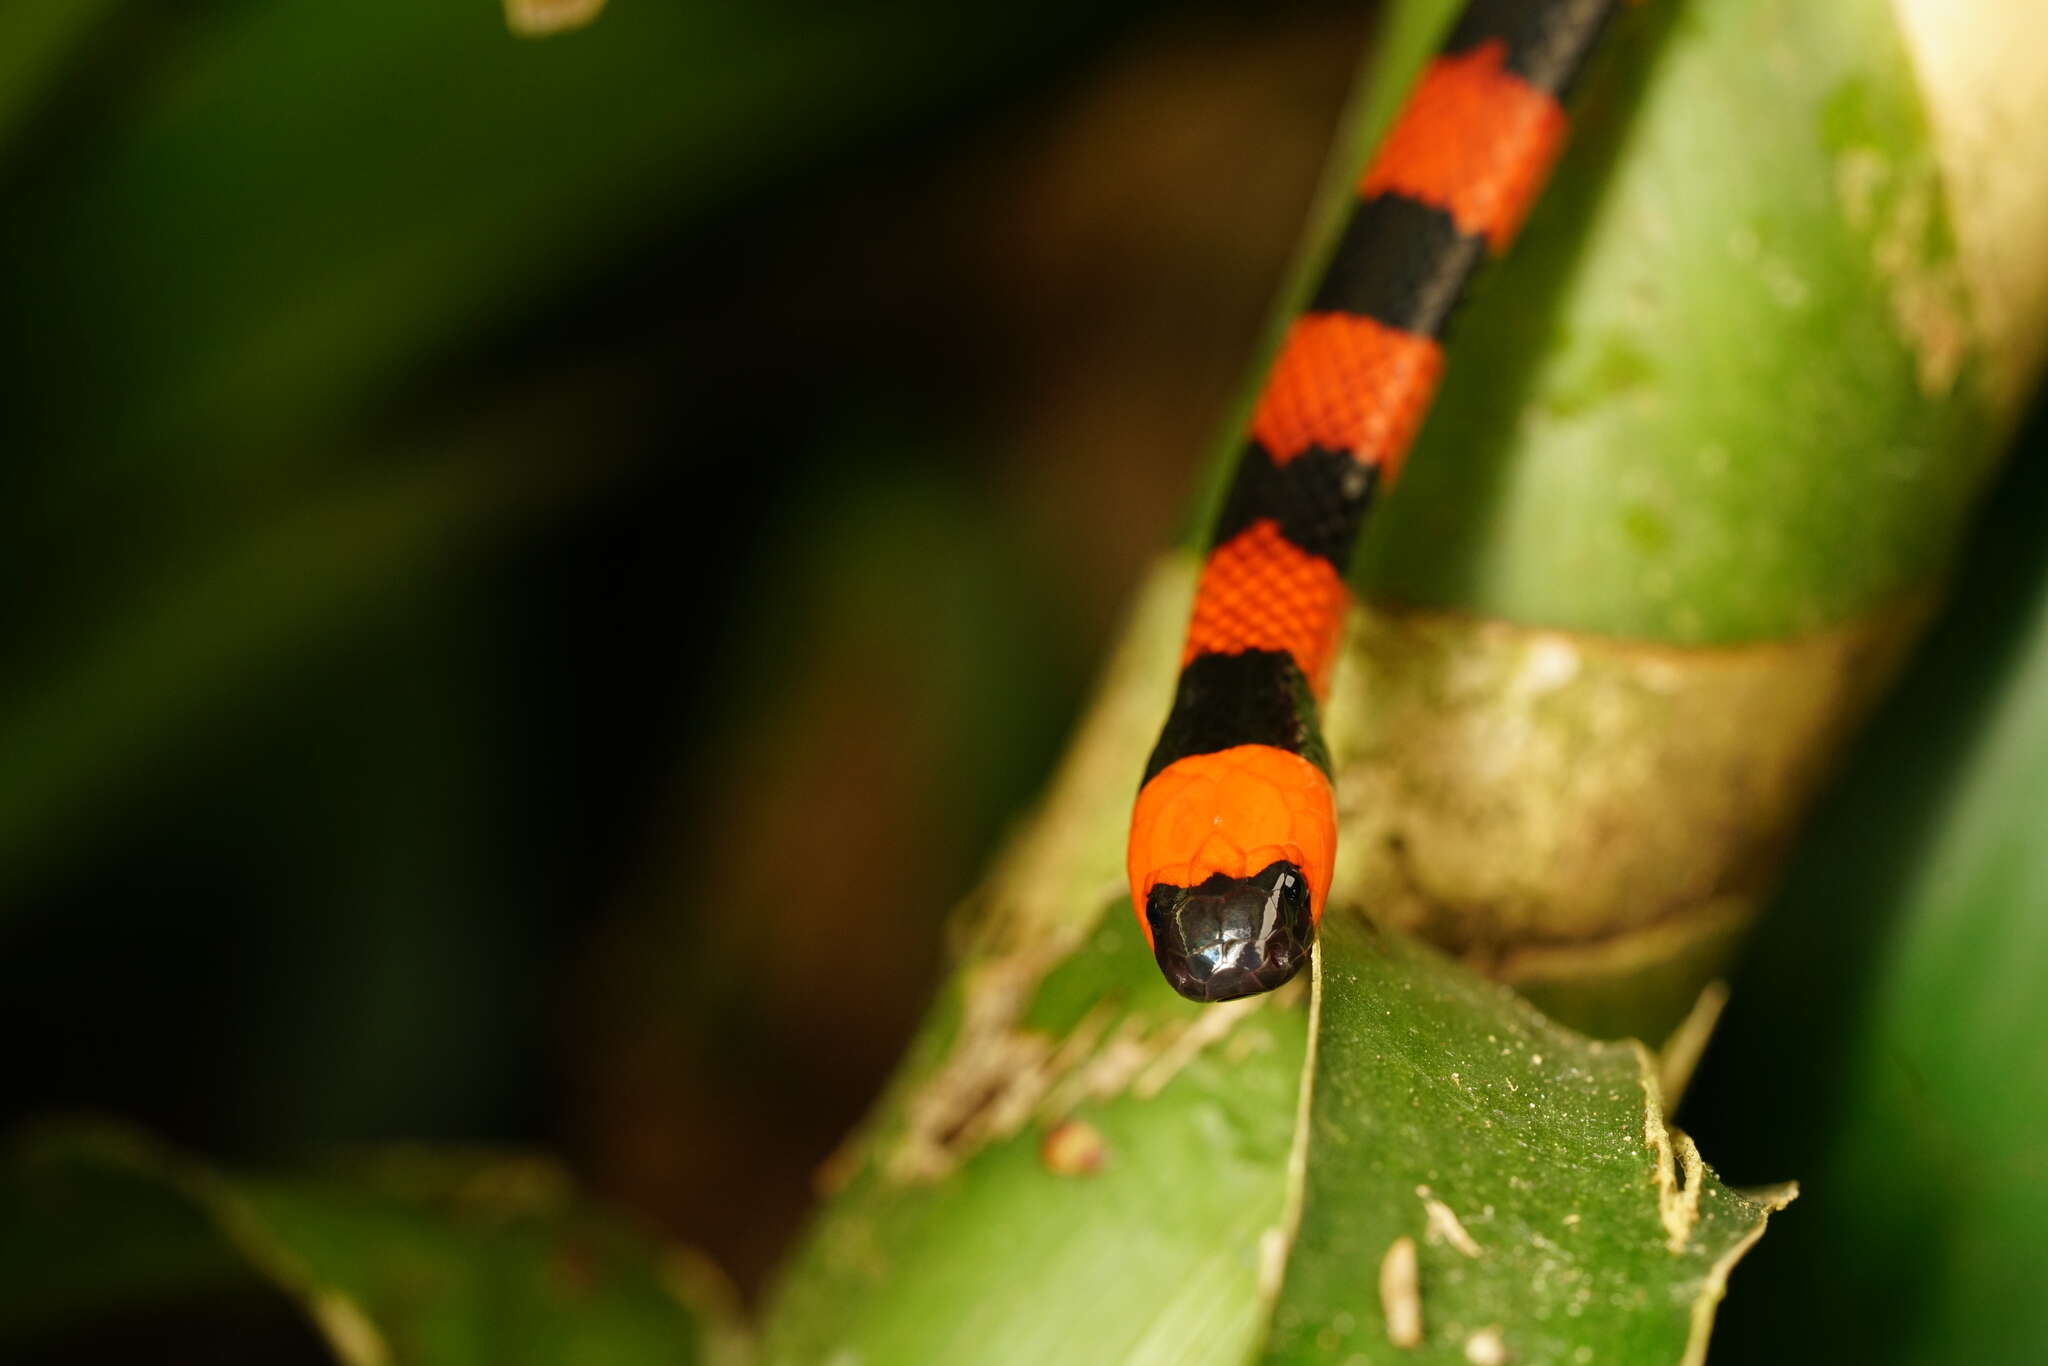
<point>1234,832</point>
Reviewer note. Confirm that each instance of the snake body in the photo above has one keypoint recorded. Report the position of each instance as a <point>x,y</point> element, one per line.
<point>1234,834</point>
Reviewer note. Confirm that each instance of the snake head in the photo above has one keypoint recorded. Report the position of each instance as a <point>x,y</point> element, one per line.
<point>1232,936</point>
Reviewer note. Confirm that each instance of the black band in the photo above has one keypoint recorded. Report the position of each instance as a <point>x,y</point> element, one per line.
<point>1257,697</point>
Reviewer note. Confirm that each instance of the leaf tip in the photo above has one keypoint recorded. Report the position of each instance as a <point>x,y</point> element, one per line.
<point>545,18</point>
<point>1677,1169</point>
<point>348,1329</point>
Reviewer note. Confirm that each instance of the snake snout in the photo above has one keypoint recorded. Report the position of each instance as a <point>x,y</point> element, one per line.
<point>1232,936</point>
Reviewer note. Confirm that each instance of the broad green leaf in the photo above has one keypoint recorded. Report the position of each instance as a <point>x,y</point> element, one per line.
<point>414,1256</point>
<point>1093,1178</point>
<point>1551,1212</point>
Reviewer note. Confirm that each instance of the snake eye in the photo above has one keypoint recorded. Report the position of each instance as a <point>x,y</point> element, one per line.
<point>1232,936</point>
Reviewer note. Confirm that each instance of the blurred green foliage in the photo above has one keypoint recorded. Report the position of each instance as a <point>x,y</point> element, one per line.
<point>1884,1039</point>
<point>421,484</point>
<point>415,1257</point>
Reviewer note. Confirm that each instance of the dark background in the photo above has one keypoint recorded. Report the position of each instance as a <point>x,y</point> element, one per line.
<point>536,573</point>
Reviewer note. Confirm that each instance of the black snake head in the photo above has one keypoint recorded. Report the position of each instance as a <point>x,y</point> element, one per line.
<point>1232,936</point>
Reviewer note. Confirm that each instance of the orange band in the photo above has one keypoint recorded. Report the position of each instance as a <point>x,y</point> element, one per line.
<point>1233,812</point>
<point>1260,591</point>
<point>1474,139</point>
<point>1347,383</point>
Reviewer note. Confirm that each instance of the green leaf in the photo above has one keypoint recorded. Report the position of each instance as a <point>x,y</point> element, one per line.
<point>1550,1211</point>
<point>411,1256</point>
<point>1089,1178</point>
